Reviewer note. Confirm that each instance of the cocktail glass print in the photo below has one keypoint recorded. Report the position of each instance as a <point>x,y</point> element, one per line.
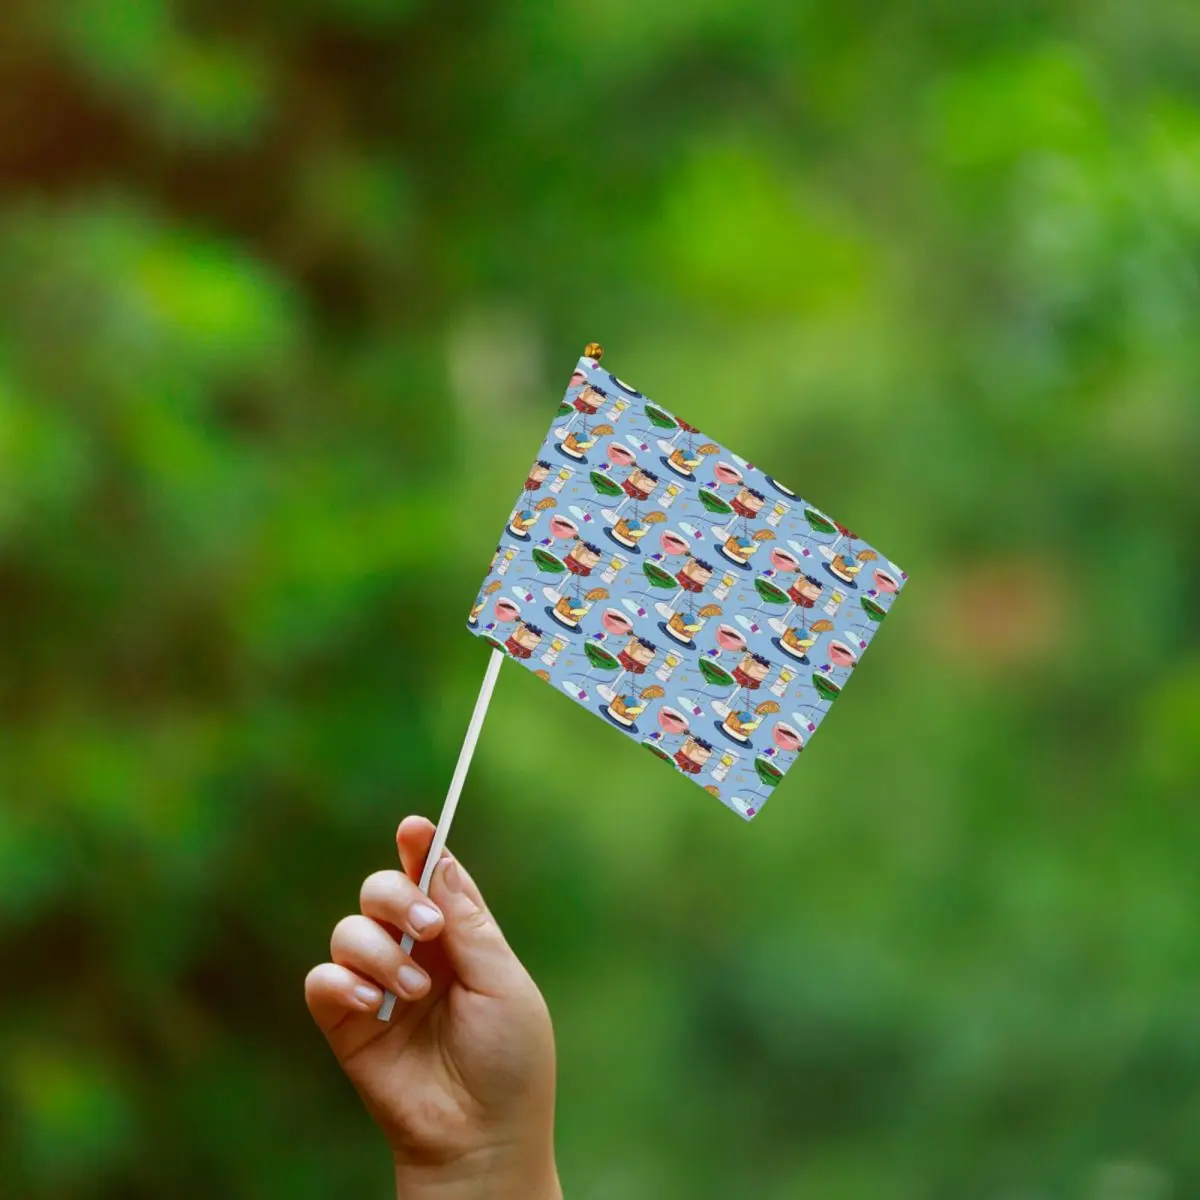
<point>737,545</point>
<point>671,724</point>
<point>711,507</point>
<point>637,486</point>
<point>658,577</point>
<point>577,442</point>
<point>547,564</point>
<point>714,503</point>
<point>600,659</point>
<point>683,458</point>
<point>714,675</point>
<point>562,529</point>
<point>636,655</point>
<point>769,776</point>
<point>803,592</point>
<point>748,674</point>
<point>569,606</point>
<point>740,721</point>
<point>524,519</point>
<point>768,593</point>
<point>625,707</point>
<point>661,419</point>
<point>788,741</point>
<point>586,402</point>
<point>796,640</point>
<point>481,600</point>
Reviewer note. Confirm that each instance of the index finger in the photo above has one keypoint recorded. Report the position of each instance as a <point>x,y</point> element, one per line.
<point>413,839</point>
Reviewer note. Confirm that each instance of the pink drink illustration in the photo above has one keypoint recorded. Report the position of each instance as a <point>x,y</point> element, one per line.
<point>841,655</point>
<point>616,622</point>
<point>784,561</point>
<point>885,582</point>
<point>786,738</point>
<point>506,609</point>
<point>620,456</point>
<point>728,638</point>
<point>727,473</point>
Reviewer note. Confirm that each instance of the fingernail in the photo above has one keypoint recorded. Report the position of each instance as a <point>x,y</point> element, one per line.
<point>367,996</point>
<point>411,980</point>
<point>451,876</point>
<point>423,916</point>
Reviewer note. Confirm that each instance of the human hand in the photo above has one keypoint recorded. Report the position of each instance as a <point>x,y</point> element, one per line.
<point>461,1080</point>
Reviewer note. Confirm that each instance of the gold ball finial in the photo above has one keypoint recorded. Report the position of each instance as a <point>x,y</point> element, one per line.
<point>593,350</point>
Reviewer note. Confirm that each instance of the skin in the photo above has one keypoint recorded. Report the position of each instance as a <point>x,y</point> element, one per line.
<point>461,1080</point>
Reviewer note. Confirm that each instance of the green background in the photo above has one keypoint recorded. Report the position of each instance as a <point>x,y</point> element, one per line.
<point>289,290</point>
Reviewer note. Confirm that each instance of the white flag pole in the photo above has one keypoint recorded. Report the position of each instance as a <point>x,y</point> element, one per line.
<point>451,801</point>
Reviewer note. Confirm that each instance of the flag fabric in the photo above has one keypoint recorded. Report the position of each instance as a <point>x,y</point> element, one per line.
<point>694,603</point>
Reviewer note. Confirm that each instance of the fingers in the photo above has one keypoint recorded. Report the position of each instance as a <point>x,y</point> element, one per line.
<point>392,897</point>
<point>364,946</point>
<point>333,992</point>
<point>413,839</point>
<point>476,948</point>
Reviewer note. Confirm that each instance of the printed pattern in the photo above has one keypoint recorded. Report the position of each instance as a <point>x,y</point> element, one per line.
<point>694,603</point>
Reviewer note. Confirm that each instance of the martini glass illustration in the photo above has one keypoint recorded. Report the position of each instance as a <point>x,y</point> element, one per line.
<point>547,564</point>
<point>818,522</point>
<point>666,445</point>
<point>658,578</point>
<point>874,610</point>
<point>768,774</point>
<point>714,676</point>
<point>661,419</point>
<point>600,660</point>
<point>827,687</point>
<point>586,403</point>
<point>768,593</point>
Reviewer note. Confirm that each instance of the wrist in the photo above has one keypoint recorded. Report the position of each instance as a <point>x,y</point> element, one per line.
<point>490,1174</point>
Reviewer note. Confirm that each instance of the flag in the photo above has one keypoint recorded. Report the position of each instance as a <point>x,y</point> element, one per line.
<point>694,603</point>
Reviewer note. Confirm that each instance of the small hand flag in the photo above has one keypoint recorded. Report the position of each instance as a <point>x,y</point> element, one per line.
<point>694,603</point>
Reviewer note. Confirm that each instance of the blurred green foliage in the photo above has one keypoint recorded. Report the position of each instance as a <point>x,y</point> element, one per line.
<point>288,290</point>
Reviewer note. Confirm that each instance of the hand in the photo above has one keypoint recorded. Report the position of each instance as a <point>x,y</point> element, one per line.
<point>461,1079</point>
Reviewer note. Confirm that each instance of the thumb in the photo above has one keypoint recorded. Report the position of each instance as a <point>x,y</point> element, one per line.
<point>481,958</point>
